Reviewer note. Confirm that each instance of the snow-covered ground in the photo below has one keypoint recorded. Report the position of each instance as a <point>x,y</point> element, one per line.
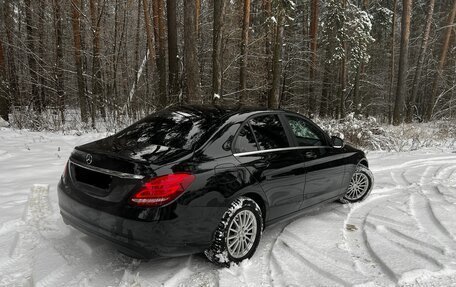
<point>404,234</point>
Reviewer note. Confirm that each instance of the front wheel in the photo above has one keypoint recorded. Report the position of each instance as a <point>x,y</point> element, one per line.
<point>360,185</point>
<point>238,233</point>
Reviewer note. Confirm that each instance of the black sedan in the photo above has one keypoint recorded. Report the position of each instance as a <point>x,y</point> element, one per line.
<point>197,179</point>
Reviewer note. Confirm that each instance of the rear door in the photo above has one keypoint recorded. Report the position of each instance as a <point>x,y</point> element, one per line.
<point>324,165</point>
<point>263,147</point>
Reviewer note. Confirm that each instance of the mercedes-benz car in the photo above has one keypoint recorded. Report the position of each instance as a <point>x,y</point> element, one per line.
<point>195,179</point>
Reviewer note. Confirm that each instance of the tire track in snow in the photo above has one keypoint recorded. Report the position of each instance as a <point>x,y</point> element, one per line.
<point>34,230</point>
<point>10,225</point>
<point>270,244</point>
<point>275,270</point>
<point>426,174</point>
<point>417,163</point>
<point>415,241</point>
<point>260,262</point>
<point>452,175</point>
<point>403,246</point>
<point>445,172</point>
<point>435,193</point>
<point>319,254</point>
<point>389,220</point>
<point>18,270</point>
<point>412,254</point>
<point>426,219</point>
<point>312,264</point>
<point>324,273</point>
<point>367,259</point>
<point>271,260</point>
<point>399,179</point>
<point>370,263</point>
<point>446,195</point>
<point>432,193</point>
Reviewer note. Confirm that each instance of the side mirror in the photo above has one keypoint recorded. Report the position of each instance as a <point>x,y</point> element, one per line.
<point>337,142</point>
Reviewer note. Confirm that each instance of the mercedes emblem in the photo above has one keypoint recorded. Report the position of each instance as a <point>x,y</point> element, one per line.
<point>89,158</point>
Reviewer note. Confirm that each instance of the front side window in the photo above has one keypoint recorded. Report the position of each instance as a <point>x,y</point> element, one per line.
<point>245,140</point>
<point>304,132</point>
<point>269,132</point>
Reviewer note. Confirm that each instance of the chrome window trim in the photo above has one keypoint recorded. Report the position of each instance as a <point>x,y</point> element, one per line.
<point>277,149</point>
<point>108,171</point>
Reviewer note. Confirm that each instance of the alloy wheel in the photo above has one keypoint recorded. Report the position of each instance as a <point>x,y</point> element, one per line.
<point>242,233</point>
<point>359,185</point>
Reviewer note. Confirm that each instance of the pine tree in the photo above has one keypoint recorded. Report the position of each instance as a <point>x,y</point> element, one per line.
<point>217,73</point>
<point>75,20</point>
<point>398,116</point>
<point>192,75</point>
<point>244,51</point>
<point>173,63</point>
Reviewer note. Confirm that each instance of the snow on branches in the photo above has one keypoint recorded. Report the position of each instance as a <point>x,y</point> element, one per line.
<point>346,25</point>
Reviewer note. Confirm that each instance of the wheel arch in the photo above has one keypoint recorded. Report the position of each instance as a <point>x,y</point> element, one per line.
<point>363,161</point>
<point>262,203</point>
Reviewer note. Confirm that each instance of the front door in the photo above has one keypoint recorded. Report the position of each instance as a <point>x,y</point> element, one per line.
<point>324,165</point>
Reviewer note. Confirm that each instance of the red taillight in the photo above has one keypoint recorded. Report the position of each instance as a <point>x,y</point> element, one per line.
<point>162,190</point>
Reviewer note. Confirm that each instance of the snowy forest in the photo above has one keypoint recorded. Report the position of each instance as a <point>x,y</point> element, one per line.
<point>97,60</point>
<point>378,76</point>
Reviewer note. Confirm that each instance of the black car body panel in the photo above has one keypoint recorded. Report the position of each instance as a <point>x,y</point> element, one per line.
<point>101,177</point>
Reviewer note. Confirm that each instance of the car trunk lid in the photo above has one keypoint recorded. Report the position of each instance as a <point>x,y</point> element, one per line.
<point>109,171</point>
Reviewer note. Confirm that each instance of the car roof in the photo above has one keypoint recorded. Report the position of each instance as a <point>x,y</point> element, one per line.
<point>215,111</point>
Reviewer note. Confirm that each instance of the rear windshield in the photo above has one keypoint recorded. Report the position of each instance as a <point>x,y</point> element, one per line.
<point>174,129</point>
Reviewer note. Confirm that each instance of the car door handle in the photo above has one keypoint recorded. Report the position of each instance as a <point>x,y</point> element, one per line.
<point>310,155</point>
<point>261,164</point>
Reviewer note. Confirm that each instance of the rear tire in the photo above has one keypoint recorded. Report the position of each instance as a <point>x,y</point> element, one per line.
<point>238,233</point>
<point>360,185</point>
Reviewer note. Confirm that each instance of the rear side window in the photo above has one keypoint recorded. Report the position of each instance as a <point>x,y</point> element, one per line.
<point>269,132</point>
<point>305,133</point>
<point>245,140</point>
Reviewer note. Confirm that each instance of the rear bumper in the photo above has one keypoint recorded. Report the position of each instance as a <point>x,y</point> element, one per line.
<point>189,231</point>
<point>134,250</point>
